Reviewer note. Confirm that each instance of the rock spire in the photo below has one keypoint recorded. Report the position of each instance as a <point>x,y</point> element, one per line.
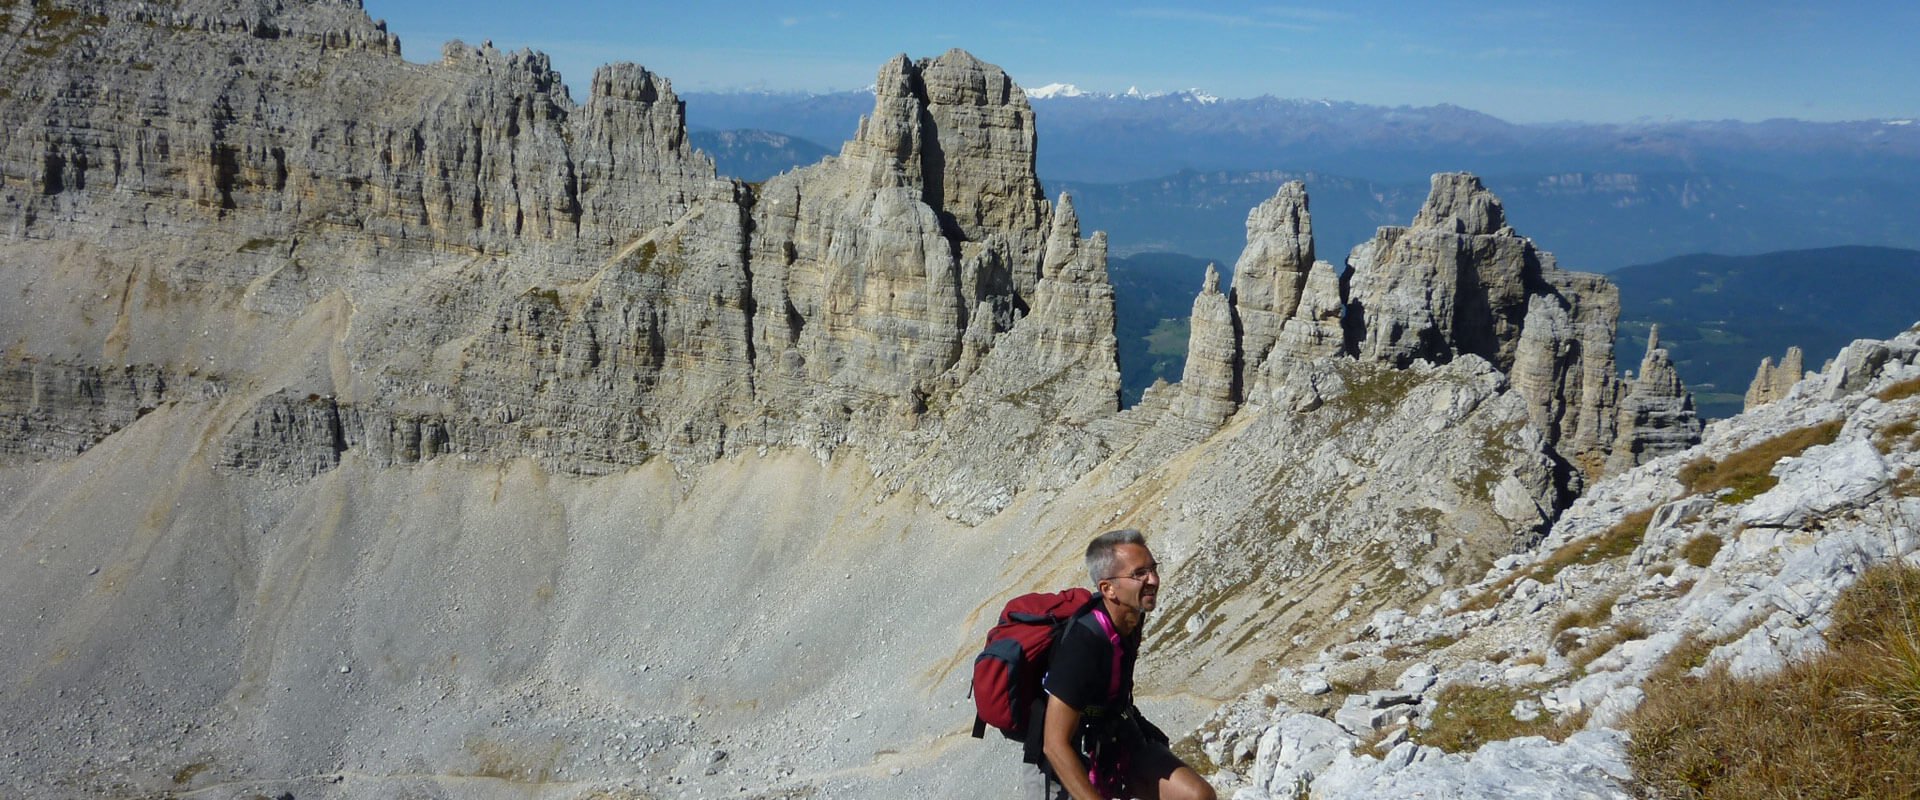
<point>1771,383</point>
<point>1271,273</point>
<point>1656,413</point>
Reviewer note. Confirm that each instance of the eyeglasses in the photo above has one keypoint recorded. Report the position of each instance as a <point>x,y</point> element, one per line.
<point>1141,574</point>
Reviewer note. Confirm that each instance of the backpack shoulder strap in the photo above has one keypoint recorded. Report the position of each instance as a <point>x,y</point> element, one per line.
<point>1113,639</point>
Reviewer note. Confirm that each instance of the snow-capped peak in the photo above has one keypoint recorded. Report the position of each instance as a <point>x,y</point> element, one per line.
<point>1053,90</point>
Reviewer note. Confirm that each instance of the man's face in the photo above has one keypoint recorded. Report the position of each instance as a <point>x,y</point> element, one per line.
<point>1135,580</point>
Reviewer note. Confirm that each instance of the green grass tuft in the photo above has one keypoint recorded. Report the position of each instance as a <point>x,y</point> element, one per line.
<point>1466,717</point>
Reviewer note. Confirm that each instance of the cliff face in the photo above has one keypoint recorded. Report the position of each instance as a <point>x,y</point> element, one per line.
<point>511,273</point>
<point>490,268</point>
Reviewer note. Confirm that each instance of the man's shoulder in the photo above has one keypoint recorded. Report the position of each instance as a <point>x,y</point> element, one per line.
<point>1084,634</point>
<point>1083,631</point>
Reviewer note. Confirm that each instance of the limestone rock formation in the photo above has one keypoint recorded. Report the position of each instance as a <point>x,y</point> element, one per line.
<point>1656,414</point>
<point>1062,355</point>
<point>531,276</point>
<point>1313,332</point>
<point>1210,387</point>
<point>1458,282</point>
<point>375,428</point>
<point>1771,383</point>
<point>57,410</point>
<point>1271,273</point>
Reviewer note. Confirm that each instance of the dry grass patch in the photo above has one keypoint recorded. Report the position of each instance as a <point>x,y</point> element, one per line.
<point>1188,748</point>
<point>1401,652</point>
<point>1466,717</point>
<point>1700,550</point>
<point>1602,643</point>
<point>1586,617</point>
<point>1614,542</point>
<point>1899,391</point>
<point>1749,472</point>
<point>1896,434</point>
<point>1906,484</point>
<point>1843,725</point>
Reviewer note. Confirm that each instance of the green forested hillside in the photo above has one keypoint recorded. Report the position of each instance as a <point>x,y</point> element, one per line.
<point>1153,298</point>
<point>1719,315</point>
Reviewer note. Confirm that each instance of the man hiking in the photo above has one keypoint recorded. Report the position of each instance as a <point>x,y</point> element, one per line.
<point>1094,739</point>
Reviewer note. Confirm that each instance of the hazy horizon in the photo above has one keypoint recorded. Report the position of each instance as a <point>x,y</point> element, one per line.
<point>1626,62</point>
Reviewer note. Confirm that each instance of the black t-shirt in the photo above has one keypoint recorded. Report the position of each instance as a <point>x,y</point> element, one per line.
<point>1080,668</point>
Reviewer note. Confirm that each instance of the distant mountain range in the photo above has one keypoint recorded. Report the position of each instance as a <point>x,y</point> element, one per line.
<point>752,155</point>
<point>1119,138</point>
<point>1592,221</point>
<point>1178,172</point>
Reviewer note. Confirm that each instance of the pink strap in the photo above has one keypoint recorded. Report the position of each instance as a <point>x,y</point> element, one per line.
<point>1113,682</point>
<point>1113,693</point>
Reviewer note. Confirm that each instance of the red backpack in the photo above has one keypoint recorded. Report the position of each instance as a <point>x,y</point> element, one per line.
<point>1007,673</point>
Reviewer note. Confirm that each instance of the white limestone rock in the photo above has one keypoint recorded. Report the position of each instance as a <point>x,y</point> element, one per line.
<point>1824,480</point>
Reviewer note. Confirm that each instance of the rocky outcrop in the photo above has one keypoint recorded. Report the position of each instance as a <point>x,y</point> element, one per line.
<point>870,276</point>
<point>1460,281</point>
<point>56,410</point>
<point>1062,354</point>
<point>1771,383</point>
<point>1455,282</point>
<point>1313,332</point>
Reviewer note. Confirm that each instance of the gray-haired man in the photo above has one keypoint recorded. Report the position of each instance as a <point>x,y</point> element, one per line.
<point>1095,739</point>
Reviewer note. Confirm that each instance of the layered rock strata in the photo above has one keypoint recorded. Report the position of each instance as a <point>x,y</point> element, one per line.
<point>1272,273</point>
<point>1210,381</point>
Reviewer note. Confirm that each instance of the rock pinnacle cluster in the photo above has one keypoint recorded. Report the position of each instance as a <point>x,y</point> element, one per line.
<point>1459,281</point>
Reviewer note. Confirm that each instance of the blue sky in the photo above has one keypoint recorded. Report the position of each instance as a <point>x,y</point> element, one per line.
<point>1525,62</point>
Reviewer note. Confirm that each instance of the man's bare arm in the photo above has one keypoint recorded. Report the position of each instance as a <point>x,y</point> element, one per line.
<point>1057,743</point>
